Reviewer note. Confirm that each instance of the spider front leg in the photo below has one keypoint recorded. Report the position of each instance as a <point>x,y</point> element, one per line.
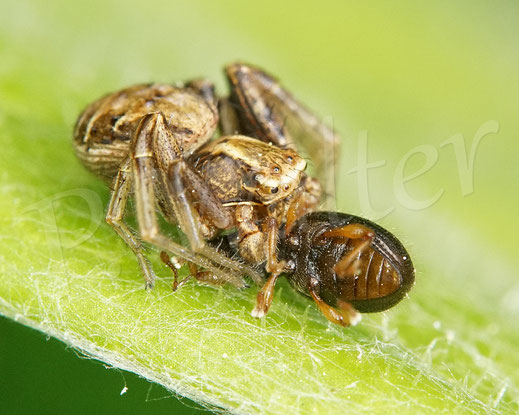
<point>115,215</point>
<point>143,167</point>
<point>186,188</point>
<point>273,266</point>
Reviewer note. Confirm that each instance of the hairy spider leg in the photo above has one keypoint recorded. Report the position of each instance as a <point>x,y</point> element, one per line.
<point>274,267</point>
<point>115,215</point>
<point>151,128</point>
<point>182,178</point>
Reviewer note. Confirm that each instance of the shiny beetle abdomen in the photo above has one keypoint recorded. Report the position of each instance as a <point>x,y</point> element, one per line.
<point>383,274</point>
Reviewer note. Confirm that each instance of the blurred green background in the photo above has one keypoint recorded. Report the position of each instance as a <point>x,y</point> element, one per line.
<point>407,75</point>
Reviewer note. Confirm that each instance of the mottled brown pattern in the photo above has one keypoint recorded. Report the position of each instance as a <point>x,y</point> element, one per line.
<point>105,129</point>
<point>269,112</point>
<point>147,140</point>
<point>240,168</point>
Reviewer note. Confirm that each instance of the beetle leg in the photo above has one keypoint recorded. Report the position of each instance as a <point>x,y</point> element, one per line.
<point>351,231</point>
<point>349,262</point>
<point>143,167</point>
<point>344,315</point>
<point>115,215</point>
<point>188,216</point>
<point>265,296</point>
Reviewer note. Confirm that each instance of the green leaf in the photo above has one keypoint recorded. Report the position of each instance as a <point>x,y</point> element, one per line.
<point>407,77</point>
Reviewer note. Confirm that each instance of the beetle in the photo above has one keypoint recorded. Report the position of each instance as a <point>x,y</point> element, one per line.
<point>345,263</point>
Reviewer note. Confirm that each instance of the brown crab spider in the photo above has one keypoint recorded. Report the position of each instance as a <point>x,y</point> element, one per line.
<point>154,140</point>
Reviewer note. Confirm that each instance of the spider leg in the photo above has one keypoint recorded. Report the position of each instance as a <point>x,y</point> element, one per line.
<point>206,277</point>
<point>269,112</point>
<point>274,267</point>
<point>182,178</point>
<point>143,168</point>
<point>229,123</point>
<point>115,215</point>
<point>153,128</point>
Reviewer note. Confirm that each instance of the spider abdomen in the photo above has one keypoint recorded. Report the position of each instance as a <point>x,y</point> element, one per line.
<point>105,129</point>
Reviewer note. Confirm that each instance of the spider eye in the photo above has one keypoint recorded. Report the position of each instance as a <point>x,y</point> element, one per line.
<point>293,240</point>
<point>286,187</point>
<point>290,159</point>
<point>275,169</point>
<point>274,190</point>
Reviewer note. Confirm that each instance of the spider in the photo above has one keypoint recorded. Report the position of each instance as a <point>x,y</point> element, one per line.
<point>155,141</point>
